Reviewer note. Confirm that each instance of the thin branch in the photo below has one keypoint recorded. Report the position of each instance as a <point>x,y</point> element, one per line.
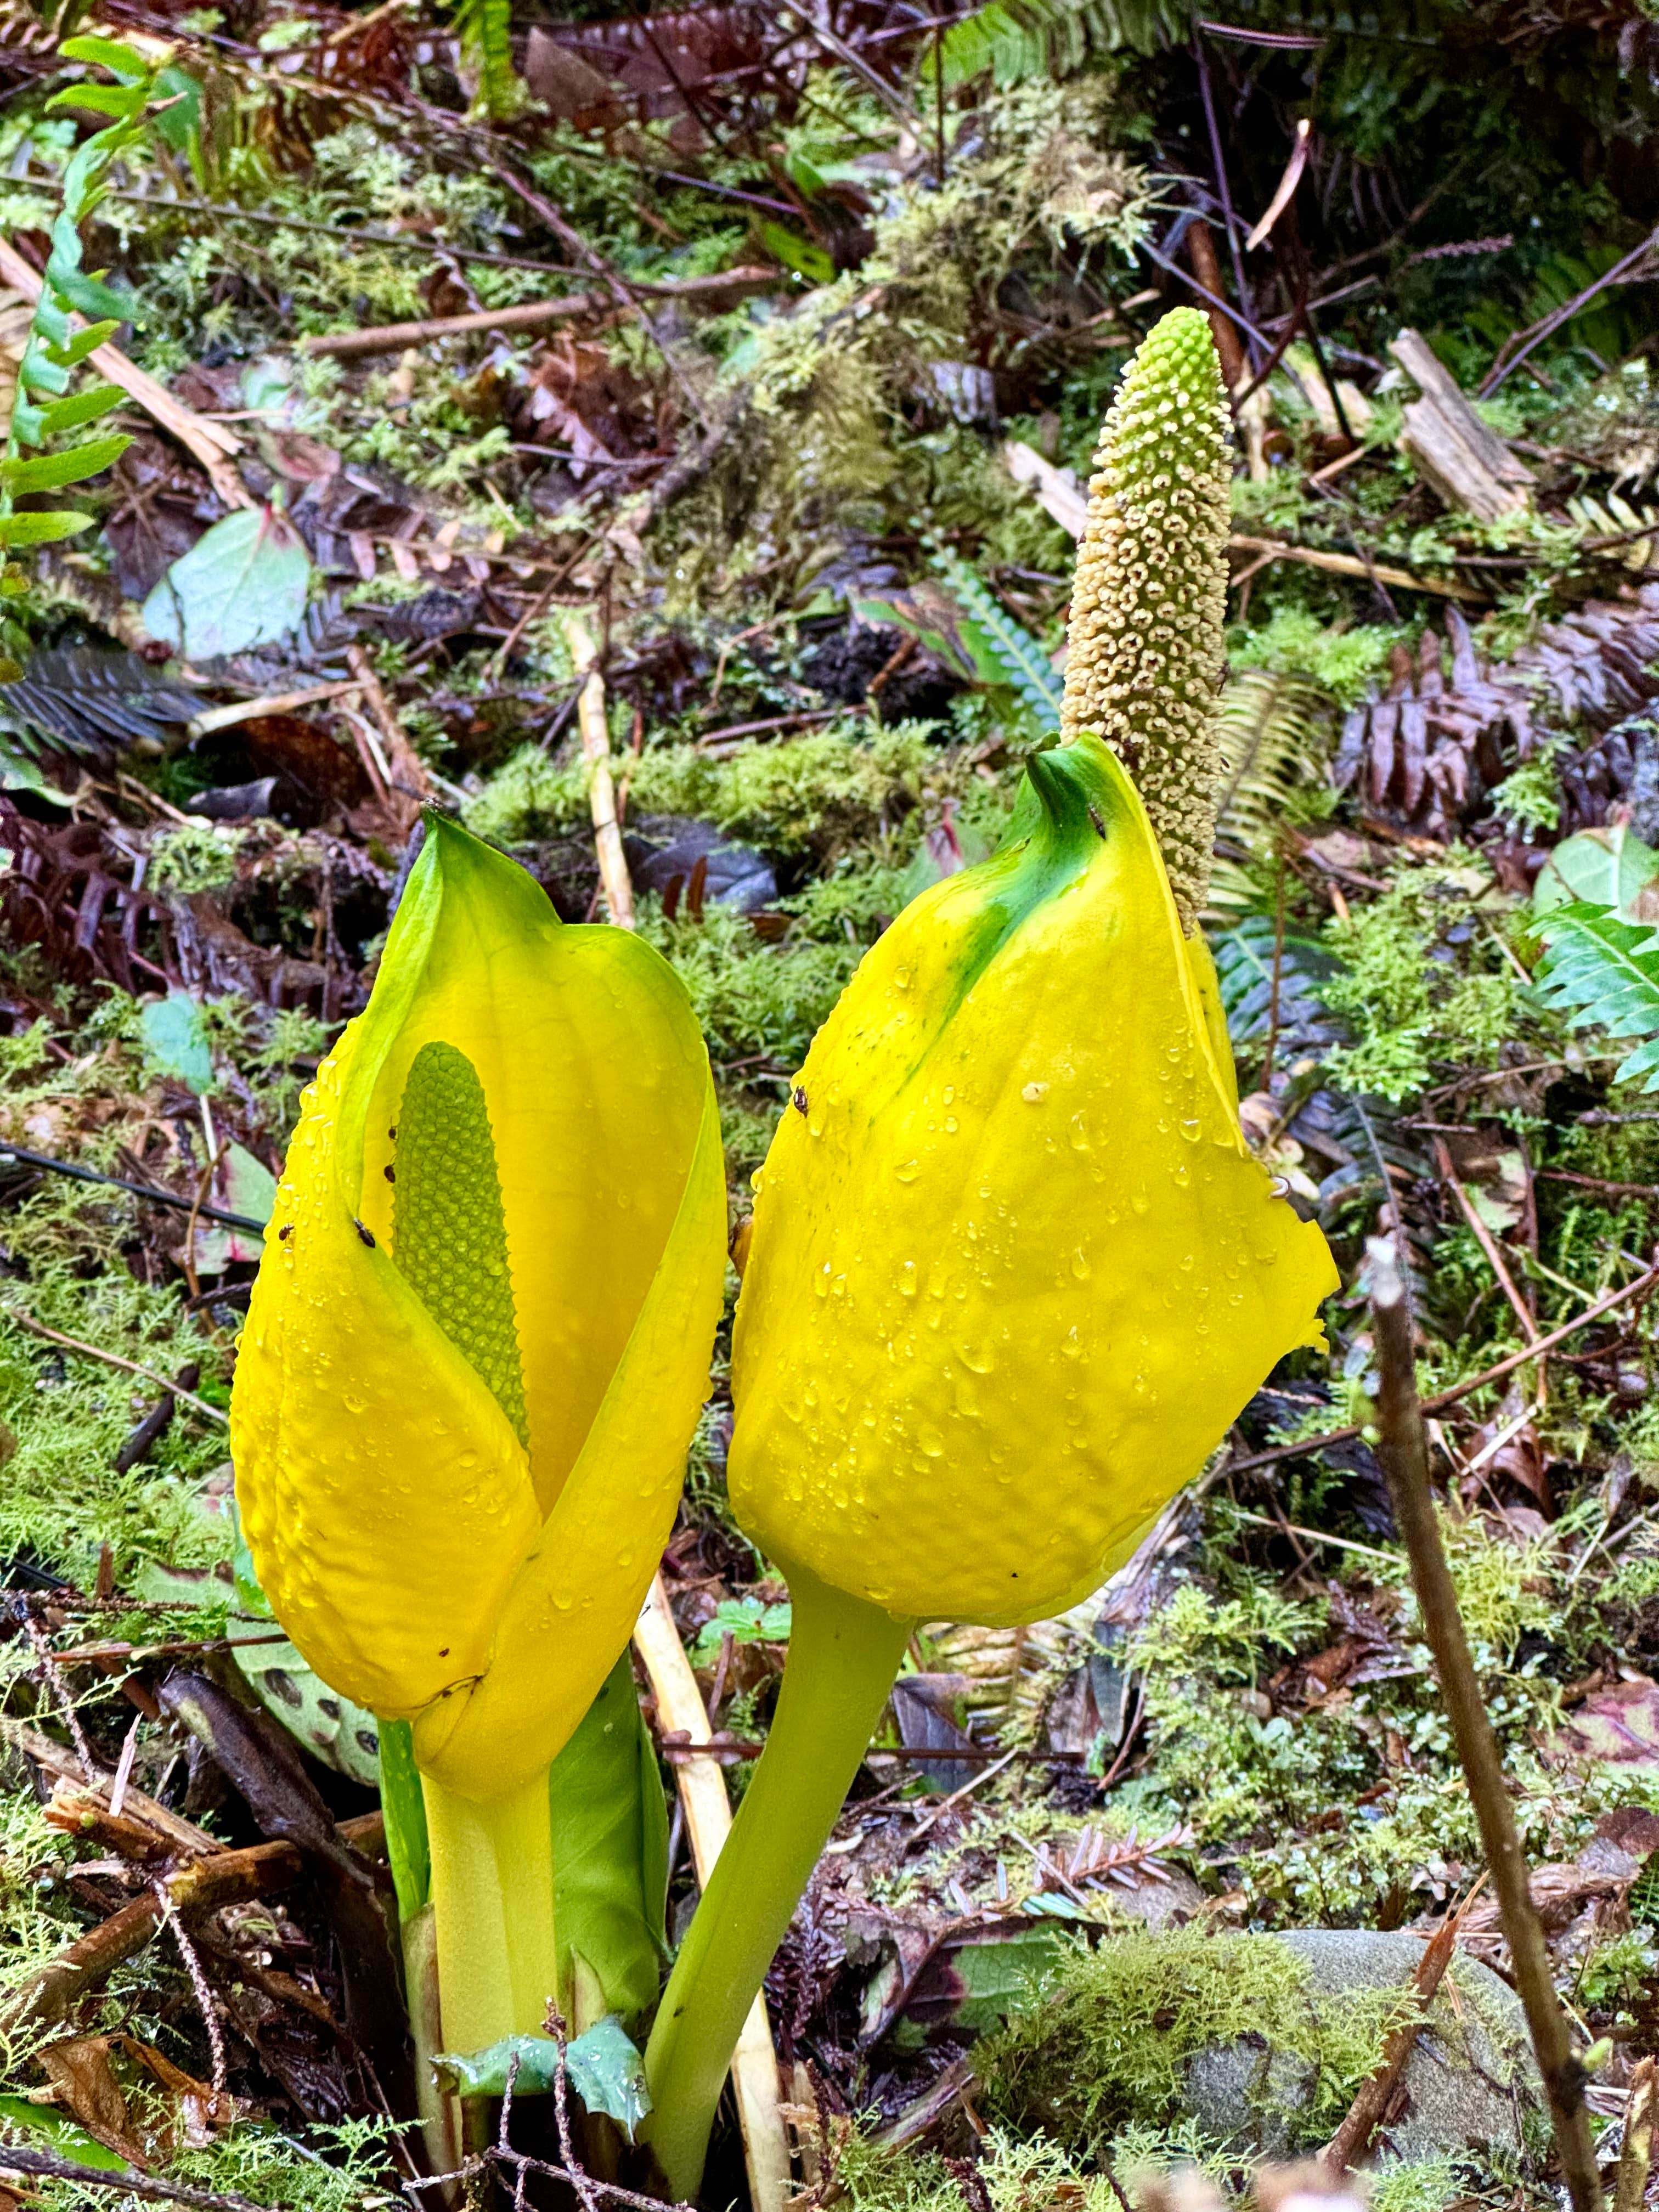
<point>111,1360</point>
<point>1460,1391</point>
<point>1404,1453</point>
<point>48,2166</point>
<point>1488,1243</point>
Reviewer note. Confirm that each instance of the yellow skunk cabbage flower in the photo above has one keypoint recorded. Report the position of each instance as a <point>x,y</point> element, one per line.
<point>473,1360</point>
<point>1013,1270</point>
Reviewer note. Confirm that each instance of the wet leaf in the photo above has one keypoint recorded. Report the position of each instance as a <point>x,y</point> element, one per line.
<point>243,583</point>
<point>174,1032</point>
<point>603,2067</point>
<point>64,2135</point>
<point>249,1187</point>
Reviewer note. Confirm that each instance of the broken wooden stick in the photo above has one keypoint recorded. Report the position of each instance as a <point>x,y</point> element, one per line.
<point>1349,564</point>
<point>707,1812</point>
<point>614,879</point>
<point>525,315</point>
<point>1376,2092</point>
<point>1058,491</point>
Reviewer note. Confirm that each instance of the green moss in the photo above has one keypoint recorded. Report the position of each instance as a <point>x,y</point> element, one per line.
<point>1424,978</point>
<point>1108,2042</point>
<point>1018,2175</point>
<point>60,1495</point>
<point>196,856</point>
<point>822,791</point>
<point>1293,642</point>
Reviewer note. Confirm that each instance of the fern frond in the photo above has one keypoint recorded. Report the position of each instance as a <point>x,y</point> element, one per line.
<point>484,28</point>
<point>1617,518</point>
<point>43,408</point>
<point>1244,964</point>
<point>1602,973</point>
<point>999,643</point>
<point>1015,40</point>
<point>1274,734</point>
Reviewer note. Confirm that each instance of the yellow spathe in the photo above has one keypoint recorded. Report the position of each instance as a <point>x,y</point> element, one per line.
<point>1013,1270</point>
<point>427,1565</point>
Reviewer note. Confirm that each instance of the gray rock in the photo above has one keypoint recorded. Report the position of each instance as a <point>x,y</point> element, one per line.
<point>1467,2080</point>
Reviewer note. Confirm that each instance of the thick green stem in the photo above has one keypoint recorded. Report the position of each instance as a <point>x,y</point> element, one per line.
<point>492,1896</point>
<point>843,1655</point>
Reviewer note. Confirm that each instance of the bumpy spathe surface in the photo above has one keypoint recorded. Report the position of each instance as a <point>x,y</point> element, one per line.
<point>426,1563</point>
<point>1013,1270</point>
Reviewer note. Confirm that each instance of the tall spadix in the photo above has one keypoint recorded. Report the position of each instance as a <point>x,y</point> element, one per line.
<point>1149,602</point>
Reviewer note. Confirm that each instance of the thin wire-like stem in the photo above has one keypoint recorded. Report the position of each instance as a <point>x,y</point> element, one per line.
<point>1404,1453</point>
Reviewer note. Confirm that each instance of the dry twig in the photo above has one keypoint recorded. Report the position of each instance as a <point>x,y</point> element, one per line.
<point>1404,1453</point>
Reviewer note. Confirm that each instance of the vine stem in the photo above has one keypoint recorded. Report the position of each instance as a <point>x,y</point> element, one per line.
<point>492,1897</point>
<point>1404,1452</point>
<point>843,1655</point>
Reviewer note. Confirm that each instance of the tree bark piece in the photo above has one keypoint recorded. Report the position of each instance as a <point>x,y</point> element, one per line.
<point>1404,1453</point>
<point>1200,251</point>
<point>1636,2159</point>
<point>1449,445</point>
<point>708,1823</point>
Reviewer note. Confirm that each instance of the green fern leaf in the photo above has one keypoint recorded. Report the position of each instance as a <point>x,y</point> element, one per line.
<point>1274,735</point>
<point>1015,40</point>
<point>1007,651</point>
<point>1245,959</point>
<point>1602,973</point>
<point>484,28</point>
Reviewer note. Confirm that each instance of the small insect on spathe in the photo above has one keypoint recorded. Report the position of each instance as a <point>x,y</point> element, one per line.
<point>798,1098</point>
<point>368,1234</point>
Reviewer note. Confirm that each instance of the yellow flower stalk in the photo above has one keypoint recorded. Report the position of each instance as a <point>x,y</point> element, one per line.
<point>474,1357</point>
<point>1013,1270</point>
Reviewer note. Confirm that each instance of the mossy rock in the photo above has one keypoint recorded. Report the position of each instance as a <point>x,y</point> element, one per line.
<point>1261,2040</point>
<point>1468,2080</point>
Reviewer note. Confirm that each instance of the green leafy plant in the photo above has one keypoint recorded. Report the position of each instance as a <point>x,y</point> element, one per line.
<point>1013,40</point>
<point>1603,973</point>
<point>1272,730</point>
<point>1256,966</point>
<point>1005,651</point>
<point>485,29</point>
<point>44,410</point>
